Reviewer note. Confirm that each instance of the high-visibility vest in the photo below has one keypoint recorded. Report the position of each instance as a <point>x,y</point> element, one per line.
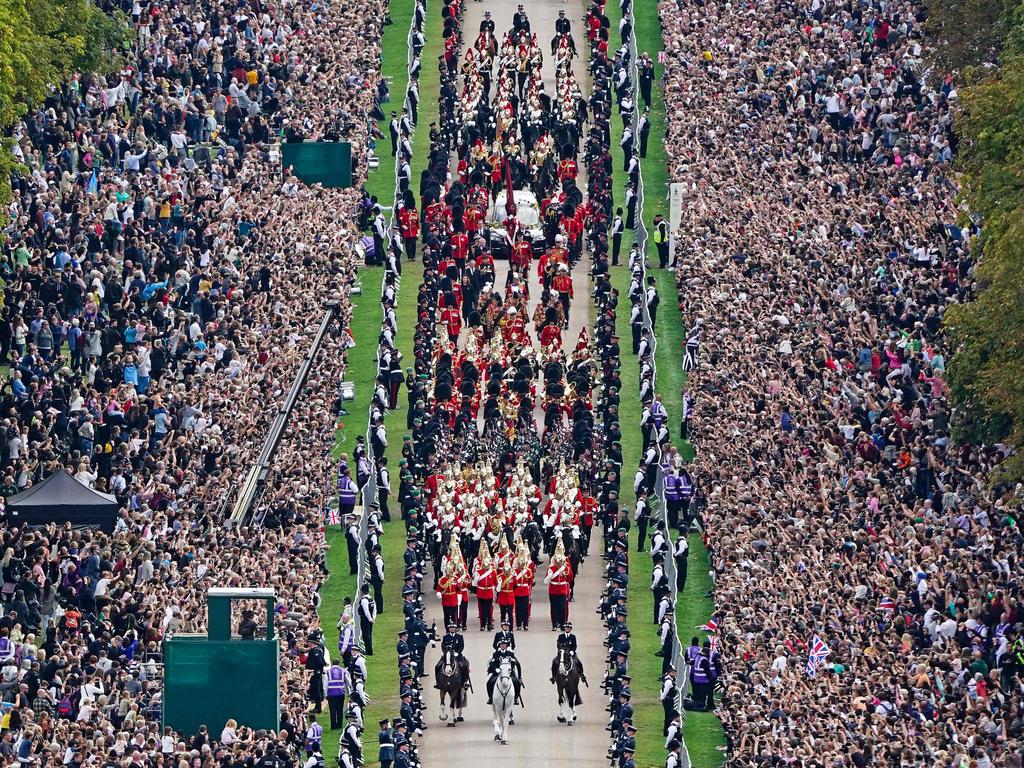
<point>346,490</point>
<point>336,681</point>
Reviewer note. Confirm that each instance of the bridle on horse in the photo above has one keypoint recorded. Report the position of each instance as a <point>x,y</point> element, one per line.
<point>566,663</point>
<point>450,668</point>
<point>505,671</point>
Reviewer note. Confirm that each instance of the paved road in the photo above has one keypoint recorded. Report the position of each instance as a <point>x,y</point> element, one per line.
<point>536,738</point>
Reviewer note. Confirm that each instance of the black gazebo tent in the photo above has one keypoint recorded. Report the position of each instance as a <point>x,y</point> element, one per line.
<point>62,499</point>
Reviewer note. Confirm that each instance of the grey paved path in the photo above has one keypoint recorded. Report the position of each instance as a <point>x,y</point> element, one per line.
<point>537,738</point>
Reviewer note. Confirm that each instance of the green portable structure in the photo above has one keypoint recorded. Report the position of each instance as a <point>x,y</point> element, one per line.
<point>319,162</point>
<point>211,678</point>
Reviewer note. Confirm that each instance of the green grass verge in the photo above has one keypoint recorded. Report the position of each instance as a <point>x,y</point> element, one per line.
<point>382,684</point>
<point>703,731</point>
<point>340,584</point>
<point>644,666</point>
<point>365,326</point>
<point>362,359</point>
<point>668,330</point>
<point>393,68</point>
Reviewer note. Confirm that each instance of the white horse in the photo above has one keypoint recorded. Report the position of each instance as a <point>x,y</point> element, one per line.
<point>503,700</point>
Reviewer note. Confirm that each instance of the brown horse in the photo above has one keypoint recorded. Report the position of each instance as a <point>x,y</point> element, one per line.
<point>567,681</point>
<point>451,678</point>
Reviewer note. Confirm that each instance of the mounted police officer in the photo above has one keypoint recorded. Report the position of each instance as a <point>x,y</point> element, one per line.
<point>505,635</point>
<point>455,644</point>
<point>504,653</point>
<point>567,642</point>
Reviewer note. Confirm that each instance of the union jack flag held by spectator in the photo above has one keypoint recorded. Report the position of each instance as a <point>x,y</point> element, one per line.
<point>819,652</point>
<point>711,627</point>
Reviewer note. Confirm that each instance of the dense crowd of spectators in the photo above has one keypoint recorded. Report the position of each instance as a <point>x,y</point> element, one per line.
<point>162,283</point>
<point>818,250</point>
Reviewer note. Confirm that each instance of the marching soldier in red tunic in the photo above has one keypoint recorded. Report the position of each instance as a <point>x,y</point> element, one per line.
<point>521,257</point>
<point>523,590</point>
<point>460,249</point>
<point>409,223</point>
<point>464,581</point>
<point>448,590</point>
<point>559,581</point>
<point>562,284</point>
<point>506,592</point>
<point>452,319</point>
<point>567,169</point>
<point>485,579</point>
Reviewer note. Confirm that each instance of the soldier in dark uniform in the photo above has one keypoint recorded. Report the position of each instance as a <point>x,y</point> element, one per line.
<point>411,556</point>
<point>406,671</point>
<point>623,680</point>
<point>401,727</point>
<point>419,636</point>
<point>626,761</point>
<point>505,635</point>
<point>618,640</point>
<point>409,607</point>
<point>487,24</point>
<point>402,753</point>
<point>406,710</point>
<point>623,711</point>
<point>386,740</point>
<point>412,580</point>
<point>402,646</point>
<point>614,603</point>
<point>625,745</point>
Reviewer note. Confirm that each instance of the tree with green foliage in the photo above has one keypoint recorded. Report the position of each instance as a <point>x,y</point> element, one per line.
<point>42,42</point>
<point>987,371</point>
<point>969,33</point>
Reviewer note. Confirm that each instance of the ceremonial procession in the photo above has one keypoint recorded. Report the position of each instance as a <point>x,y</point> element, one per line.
<point>430,383</point>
